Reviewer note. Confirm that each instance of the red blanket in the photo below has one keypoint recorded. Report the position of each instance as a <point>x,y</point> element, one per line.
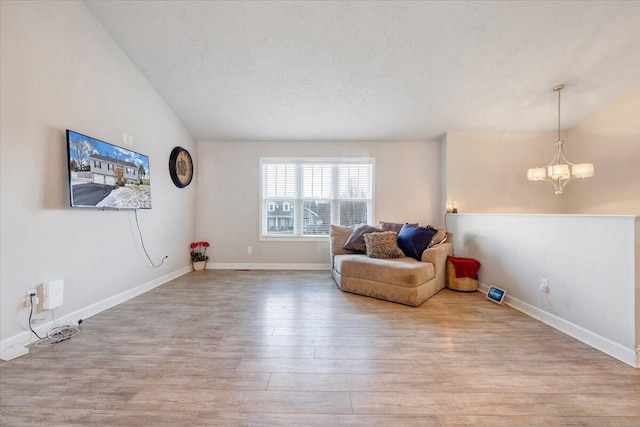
<point>465,267</point>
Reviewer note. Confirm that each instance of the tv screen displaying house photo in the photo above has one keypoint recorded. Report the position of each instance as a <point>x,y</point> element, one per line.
<point>103,175</point>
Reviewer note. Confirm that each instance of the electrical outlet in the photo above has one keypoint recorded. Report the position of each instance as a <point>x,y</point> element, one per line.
<point>35,298</point>
<point>544,285</point>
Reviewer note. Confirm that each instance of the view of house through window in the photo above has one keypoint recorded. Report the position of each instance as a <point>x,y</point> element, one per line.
<point>302,197</point>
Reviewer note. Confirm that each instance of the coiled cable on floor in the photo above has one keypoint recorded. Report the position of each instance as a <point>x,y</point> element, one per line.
<point>55,335</point>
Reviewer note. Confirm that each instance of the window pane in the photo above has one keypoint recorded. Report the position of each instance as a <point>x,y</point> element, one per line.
<point>354,181</point>
<point>280,180</point>
<point>279,219</point>
<point>317,217</point>
<point>316,181</point>
<point>353,212</point>
<point>302,196</point>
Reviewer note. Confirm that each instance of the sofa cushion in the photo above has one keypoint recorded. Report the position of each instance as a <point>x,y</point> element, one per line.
<point>355,242</point>
<point>338,235</point>
<point>392,226</point>
<point>414,240</point>
<point>382,245</point>
<point>404,271</point>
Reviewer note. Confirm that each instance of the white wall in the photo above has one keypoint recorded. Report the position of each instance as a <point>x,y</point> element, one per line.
<point>590,263</point>
<point>487,172</point>
<point>407,188</point>
<point>609,138</point>
<point>61,70</point>
<point>637,289</point>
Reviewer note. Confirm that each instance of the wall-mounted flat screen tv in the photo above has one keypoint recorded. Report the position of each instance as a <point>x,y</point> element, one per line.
<point>103,175</point>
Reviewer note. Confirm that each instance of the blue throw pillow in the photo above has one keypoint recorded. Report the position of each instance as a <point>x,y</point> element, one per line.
<point>413,240</point>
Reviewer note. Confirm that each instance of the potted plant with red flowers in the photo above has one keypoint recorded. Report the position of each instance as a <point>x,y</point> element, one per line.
<point>199,255</point>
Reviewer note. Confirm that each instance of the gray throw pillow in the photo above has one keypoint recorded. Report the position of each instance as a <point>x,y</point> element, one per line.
<point>355,242</point>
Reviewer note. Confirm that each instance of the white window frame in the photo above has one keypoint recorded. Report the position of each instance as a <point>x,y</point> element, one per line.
<point>297,203</point>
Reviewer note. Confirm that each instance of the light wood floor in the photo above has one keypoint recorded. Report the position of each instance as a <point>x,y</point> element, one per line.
<point>265,348</point>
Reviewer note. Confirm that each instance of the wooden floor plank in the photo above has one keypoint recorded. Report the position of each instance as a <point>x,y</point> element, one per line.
<point>283,348</point>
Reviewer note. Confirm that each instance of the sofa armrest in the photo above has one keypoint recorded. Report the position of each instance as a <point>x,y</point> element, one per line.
<point>437,255</point>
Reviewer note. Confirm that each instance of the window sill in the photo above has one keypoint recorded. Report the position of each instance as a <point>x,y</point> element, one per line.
<point>324,238</point>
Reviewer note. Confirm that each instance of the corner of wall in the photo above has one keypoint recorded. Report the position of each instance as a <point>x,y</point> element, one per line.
<point>443,176</point>
<point>637,288</point>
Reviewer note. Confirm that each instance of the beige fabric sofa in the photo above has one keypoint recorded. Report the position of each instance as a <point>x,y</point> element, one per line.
<point>402,280</point>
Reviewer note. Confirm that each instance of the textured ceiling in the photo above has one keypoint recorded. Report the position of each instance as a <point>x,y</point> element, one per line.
<point>376,70</point>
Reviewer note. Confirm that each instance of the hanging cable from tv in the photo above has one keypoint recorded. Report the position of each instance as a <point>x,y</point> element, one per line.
<point>151,263</point>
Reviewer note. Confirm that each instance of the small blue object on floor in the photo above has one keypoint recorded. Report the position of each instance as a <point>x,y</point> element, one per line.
<point>496,294</point>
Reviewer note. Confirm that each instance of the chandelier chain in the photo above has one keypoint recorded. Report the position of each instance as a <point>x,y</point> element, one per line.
<point>559,113</point>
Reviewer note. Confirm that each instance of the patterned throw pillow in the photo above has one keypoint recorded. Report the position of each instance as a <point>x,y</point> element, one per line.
<point>382,245</point>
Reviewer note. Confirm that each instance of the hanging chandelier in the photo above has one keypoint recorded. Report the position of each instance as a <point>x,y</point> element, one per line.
<point>560,170</point>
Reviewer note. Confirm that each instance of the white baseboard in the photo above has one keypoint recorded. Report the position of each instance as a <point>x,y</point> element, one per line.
<point>13,352</point>
<point>265,266</point>
<point>14,346</point>
<point>605,345</point>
